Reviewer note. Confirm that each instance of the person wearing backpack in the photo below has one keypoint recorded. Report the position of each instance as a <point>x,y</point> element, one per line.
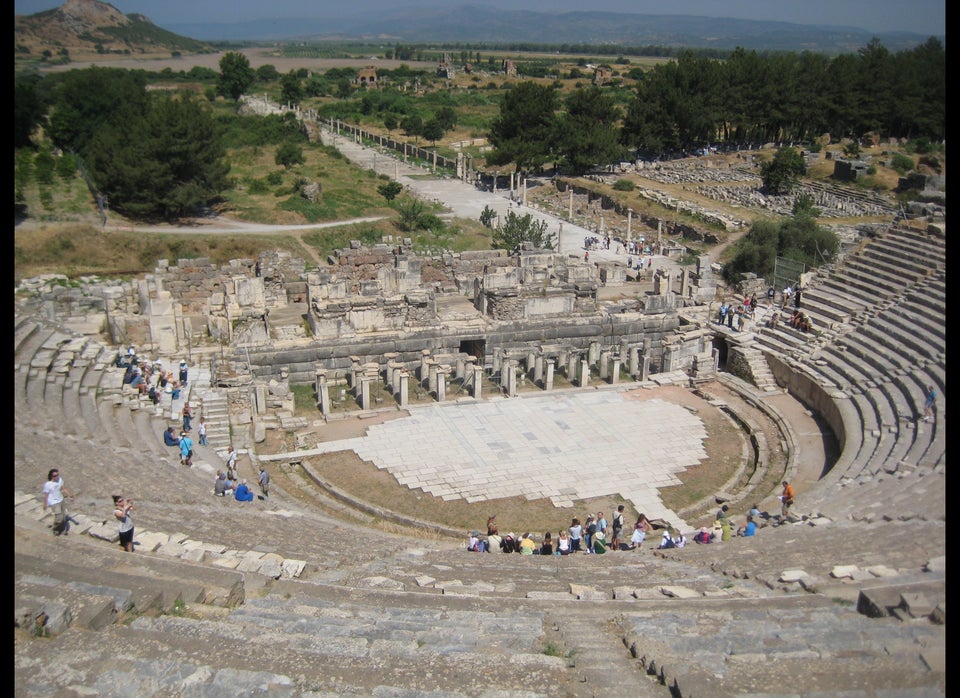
<point>589,531</point>
<point>617,528</point>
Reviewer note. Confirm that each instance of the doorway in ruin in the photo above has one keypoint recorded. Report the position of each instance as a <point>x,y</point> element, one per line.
<point>474,347</point>
<point>720,344</point>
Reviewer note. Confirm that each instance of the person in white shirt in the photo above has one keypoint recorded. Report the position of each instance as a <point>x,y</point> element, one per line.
<point>54,492</point>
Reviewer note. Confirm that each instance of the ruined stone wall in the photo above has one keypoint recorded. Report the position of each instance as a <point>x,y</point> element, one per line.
<point>334,353</point>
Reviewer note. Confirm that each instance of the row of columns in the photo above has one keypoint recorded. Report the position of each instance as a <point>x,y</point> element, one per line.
<point>434,375</point>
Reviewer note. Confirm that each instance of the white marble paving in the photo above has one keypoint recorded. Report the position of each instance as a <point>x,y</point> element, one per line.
<point>562,446</point>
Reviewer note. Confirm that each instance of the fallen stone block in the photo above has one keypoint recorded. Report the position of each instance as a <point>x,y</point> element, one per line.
<point>843,571</point>
<point>678,592</point>
<point>382,583</point>
<point>790,576</point>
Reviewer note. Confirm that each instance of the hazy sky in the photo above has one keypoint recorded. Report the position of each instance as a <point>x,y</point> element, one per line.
<point>926,17</point>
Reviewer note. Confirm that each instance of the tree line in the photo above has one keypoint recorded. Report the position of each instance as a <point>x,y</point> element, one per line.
<point>746,99</point>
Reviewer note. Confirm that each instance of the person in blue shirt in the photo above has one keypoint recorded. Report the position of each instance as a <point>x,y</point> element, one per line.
<point>186,449</point>
<point>750,529</point>
<point>170,438</point>
<point>243,493</point>
<point>929,403</point>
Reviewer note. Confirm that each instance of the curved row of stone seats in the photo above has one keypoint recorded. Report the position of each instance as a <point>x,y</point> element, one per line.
<point>45,565</point>
<point>293,616</point>
<point>892,413</point>
<point>71,402</point>
<point>809,647</point>
<point>908,343</point>
<point>882,358</point>
<point>356,643</point>
<point>911,496</point>
<point>916,251</point>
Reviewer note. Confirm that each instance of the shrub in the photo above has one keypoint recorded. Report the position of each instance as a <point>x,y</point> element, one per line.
<point>624,185</point>
<point>901,163</point>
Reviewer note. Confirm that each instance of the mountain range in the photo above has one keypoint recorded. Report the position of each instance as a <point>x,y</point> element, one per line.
<point>474,24</point>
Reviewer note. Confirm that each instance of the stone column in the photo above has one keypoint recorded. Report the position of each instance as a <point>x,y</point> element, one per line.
<point>506,368</point>
<point>364,393</point>
<point>424,357</point>
<point>404,389</point>
<point>604,358</point>
<point>572,362</point>
<point>354,374</point>
<point>524,191</point>
<point>646,368</point>
<point>560,239</point>
<point>396,371</point>
<point>593,353</point>
<point>323,394</point>
<point>511,186</point>
<point>389,359</point>
<point>478,382</point>
<point>529,369</point>
<point>584,373</point>
<point>538,369</point>
<point>570,205</point>
<point>497,361</point>
<point>460,365</point>
<point>548,382</point>
<point>634,365</point>
<point>260,399</point>
<point>441,385</point>
<point>432,368</point>
<point>629,225</point>
<point>615,371</point>
<point>684,282</point>
<point>511,381</point>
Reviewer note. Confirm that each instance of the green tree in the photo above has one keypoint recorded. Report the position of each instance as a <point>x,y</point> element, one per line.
<point>412,125</point>
<point>523,133</point>
<point>518,229</point>
<point>236,75</point>
<point>29,109</point>
<point>291,89</point>
<point>86,101</point>
<point>588,133</point>
<point>782,174</point>
<point>165,163</point>
<point>446,117</point>
<point>267,73</point>
<point>797,237</point>
<point>390,122</point>
<point>412,214</point>
<point>432,131</point>
<point>487,216</point>
<point>390,190</point>
<point>289,154</point>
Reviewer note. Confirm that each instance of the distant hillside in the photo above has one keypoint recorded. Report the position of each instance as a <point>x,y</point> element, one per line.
<point>474,23</point>
<point>80,29</point>
<point>88,29</point>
